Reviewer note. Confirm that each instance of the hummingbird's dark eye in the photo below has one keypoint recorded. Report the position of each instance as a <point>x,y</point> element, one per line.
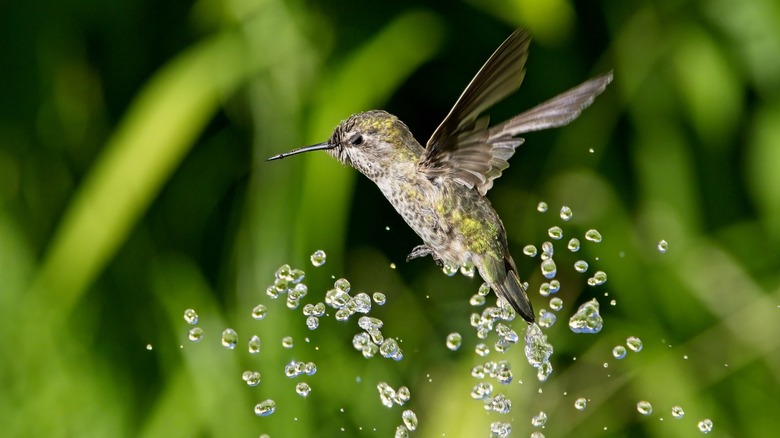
<point>356,139</point>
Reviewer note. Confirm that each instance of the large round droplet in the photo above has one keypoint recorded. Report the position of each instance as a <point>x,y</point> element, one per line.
<point>229,338</point>
<point>318,258</point>
<point>593,235</point>
<point>566,213</point>
<point>410,419</point>
<point>265,408</point>
<point>259,312</point>
<point>454,341</point>
<point>191,316</point>
<point>539,420</point>
<point>254,345</point>
<point>644,407</point>
<point>195,334</point>
<point>634,343</point>
<point>587,318</point>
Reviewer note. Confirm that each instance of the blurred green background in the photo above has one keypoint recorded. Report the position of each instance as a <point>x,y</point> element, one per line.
<point>133,186</point>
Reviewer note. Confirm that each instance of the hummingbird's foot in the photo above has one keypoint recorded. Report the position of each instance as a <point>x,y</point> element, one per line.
<point>419,251</point>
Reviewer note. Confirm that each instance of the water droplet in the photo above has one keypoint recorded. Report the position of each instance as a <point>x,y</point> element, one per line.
<point>401,432</point>
<point>254,345</point>
<point>391,350</point>
<point>677,412</point>
<point>544,371</point>
<point>537,434</point>
<point>541,207</point>
<point>539,419</point>
<point>297,275</point>
<point>549,269</point>
<point>259,312</point>
<point>500,429</point>
<point>229,338</point>
<point>195,334</point>
<point>299,291</point>
<point>544,289</point>
<point>555,286</point>
<point>537,349</point>
<point>705,426</point>
<point>482,350</point>
<point>386,394</point>
<point>587,318</point>
<point>379,298</point>
<point>402,396</point>
<point>292,304</point>
<point>449,269</point>
<point>481,390</point>
<point>287,342</point>
<point>312,322</point>
<point>467,270</point>
<point>593,235</point>
<point>484,289</point>
<point>361,303</point>
<point>634,343</point>
<point>619,352</point>
<point>546,319</point>
<point>663,246</point>
<point>499,404</point>
<point>555,233</point>
<point>369,323</point>
<point>599,278</point>
<point>303,389</point>
<point>574,244</point>
<point>580,266</point>
<point>529,250</point>
<point>566,213</point>
<point>264,408</point>
<point>547,250</point>
<point>318,258</point>
<point>410,419</point>
<point>191,316</point>
<point>556,304</point>
<point>644,407</point>
<point>454,341</point>
<point>477,300</point>
<point>342,315</point>
<point>580,404</point>
<point>284,273</point>
<point>252,378</point>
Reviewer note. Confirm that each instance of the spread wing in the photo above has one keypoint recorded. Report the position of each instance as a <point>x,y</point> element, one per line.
<point>463,146</point>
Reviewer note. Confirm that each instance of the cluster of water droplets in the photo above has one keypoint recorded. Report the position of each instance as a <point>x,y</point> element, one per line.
<point>391,397</point>
<point>644,407</point>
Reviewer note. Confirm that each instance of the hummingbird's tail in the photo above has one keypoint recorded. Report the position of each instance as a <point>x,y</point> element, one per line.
<point>501,274</point>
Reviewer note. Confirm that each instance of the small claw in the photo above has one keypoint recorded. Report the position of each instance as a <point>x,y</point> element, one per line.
<point>419,251</point>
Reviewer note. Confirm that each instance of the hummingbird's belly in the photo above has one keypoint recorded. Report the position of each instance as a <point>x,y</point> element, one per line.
<point>452,229</point>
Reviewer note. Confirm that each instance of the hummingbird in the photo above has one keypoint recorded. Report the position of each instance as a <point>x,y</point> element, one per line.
<point>440,189</point>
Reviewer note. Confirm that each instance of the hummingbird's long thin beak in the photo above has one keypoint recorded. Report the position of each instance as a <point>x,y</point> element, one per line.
<point>315,147</point>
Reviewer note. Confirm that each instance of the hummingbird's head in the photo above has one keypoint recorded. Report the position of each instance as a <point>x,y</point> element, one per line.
<point>370,142</point>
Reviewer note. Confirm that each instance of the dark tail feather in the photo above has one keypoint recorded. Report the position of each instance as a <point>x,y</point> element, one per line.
<point>513,292</point>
